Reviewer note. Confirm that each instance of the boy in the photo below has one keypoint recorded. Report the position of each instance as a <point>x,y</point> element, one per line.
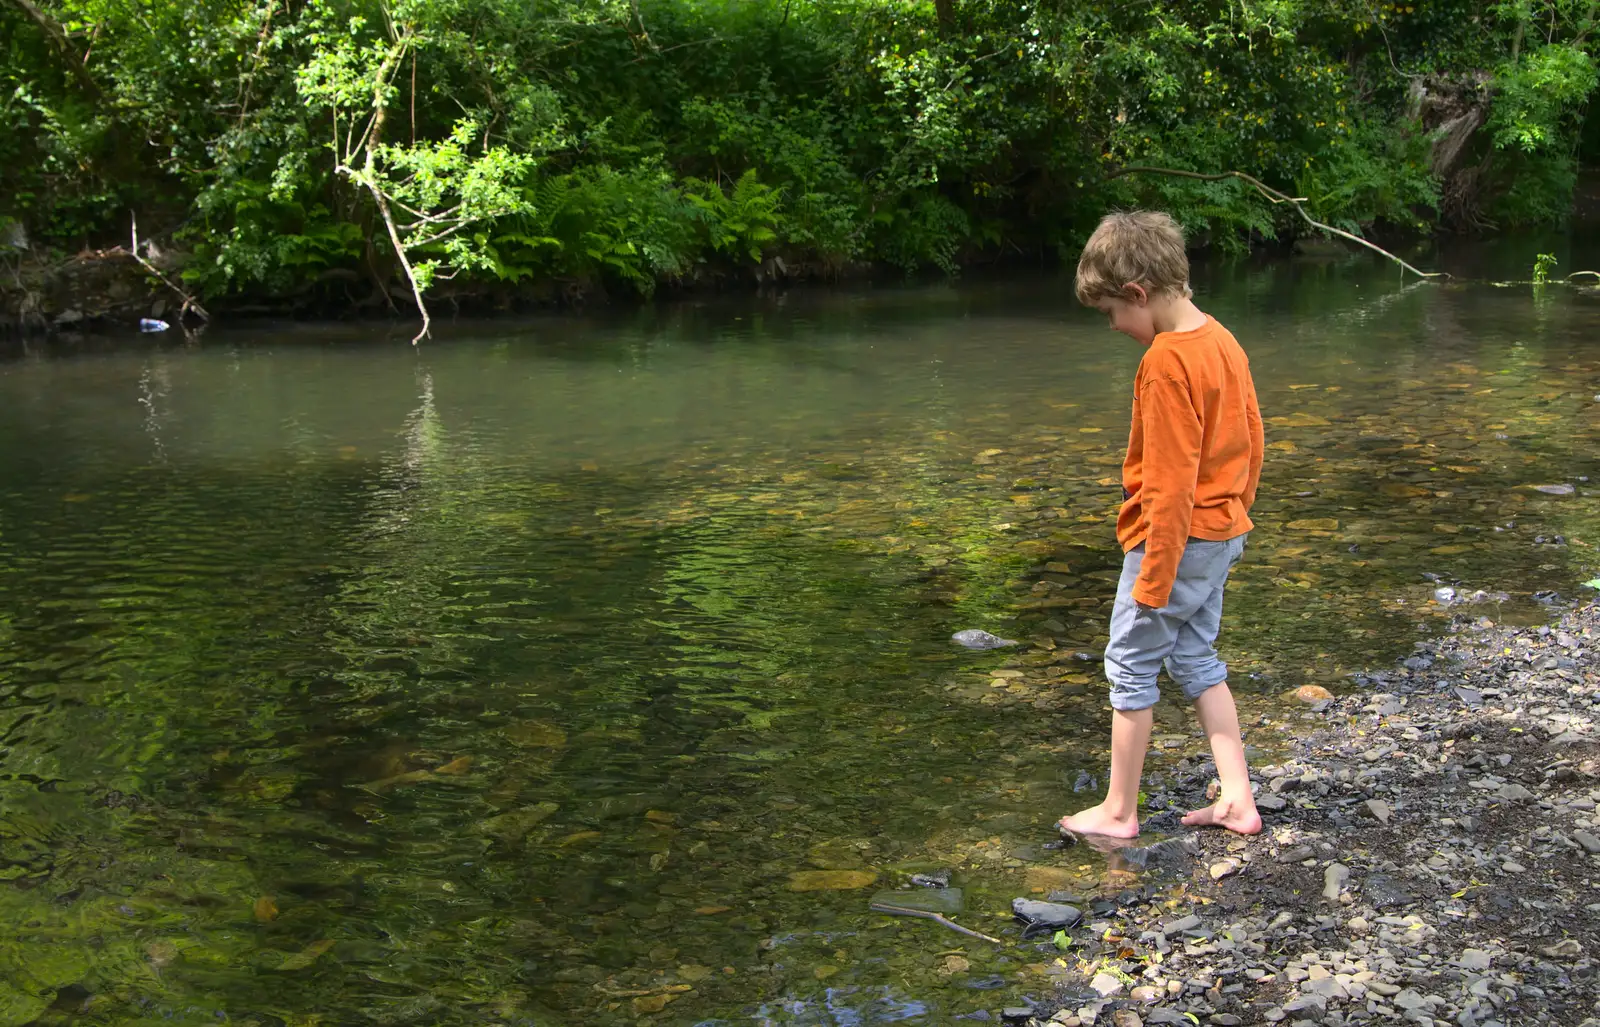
<point>1194,459</point>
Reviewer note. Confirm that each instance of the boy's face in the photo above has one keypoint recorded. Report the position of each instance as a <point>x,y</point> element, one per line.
<point>1130,314</point>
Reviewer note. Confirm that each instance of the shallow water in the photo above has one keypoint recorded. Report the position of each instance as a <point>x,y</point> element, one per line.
<point>512,680</point>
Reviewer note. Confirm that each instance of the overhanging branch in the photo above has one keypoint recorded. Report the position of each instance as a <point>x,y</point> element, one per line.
<point>1275,196</point>
<point>58,39</point>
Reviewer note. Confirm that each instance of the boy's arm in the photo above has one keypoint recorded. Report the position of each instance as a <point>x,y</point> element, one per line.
<point>1258,441</point>
<point>1171,471</point>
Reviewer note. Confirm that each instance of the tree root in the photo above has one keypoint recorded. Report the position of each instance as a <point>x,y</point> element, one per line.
<point>1275,196</point>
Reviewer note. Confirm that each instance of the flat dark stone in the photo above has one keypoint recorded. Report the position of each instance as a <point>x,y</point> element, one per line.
<point>1384,891</point>
<point>1045,914</point>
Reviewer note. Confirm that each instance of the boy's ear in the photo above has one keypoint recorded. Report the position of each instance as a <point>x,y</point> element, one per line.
<point>1133,292</point>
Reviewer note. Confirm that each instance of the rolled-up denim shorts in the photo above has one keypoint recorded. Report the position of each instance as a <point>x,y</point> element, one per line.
<point>1179,635</point>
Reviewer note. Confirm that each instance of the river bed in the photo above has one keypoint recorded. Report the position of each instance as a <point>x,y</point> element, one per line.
<point>541,675</point>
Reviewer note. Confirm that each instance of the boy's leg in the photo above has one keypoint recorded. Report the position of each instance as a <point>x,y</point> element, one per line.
<point>1194,666</point>
<point>1117,816</point>
<point>1235,808</point>
<point>1141,639</point>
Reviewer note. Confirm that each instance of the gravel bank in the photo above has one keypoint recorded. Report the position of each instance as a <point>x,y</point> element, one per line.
<point>1431,856</point>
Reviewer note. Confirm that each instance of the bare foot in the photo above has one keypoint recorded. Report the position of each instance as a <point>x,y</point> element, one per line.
<point>1238,817</point>
<point>1097,820</point>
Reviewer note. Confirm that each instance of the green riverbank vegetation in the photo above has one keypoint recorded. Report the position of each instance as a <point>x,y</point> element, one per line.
<point>324,154</point>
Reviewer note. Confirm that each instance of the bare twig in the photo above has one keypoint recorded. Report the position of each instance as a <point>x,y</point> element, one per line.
<point>1575,274</point>
<point>1275,196</point>
<point>644,33</point>
<point>189,302</point>
<point>884,907</point>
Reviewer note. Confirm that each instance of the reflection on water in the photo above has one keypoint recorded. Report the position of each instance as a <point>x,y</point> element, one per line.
<point>516,680</point>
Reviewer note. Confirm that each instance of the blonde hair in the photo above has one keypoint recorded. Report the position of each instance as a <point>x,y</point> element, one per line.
<point>1144,247</point>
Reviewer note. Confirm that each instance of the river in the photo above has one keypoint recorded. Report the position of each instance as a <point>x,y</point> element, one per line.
<point>525,677</point>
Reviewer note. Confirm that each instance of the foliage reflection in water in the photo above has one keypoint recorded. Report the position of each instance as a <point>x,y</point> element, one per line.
<point>600,672</point>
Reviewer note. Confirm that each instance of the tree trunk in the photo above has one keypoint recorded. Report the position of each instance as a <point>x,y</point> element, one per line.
<point>369,177</point>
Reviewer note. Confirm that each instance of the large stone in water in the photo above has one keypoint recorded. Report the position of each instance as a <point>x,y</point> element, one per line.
<point>930,900</point>
<point>972,638</point>
<point>1046,914</point>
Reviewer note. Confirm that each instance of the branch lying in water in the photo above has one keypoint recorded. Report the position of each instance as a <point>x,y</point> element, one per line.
<point>189,302</point>
<point>1276,197</point>
<point>884,907</point>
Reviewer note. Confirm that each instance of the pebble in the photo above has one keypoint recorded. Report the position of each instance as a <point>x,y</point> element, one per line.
<point>1225,868</point>
<point>1410,998</point>
<point>1566,948</point>
<point>1491,794</point>
<point>1333,881</point>
<point>1105,985</point>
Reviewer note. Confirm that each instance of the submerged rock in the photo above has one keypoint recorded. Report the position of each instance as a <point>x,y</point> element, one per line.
<point>1168,852</point>
<point>928,900</point>
<point>514,826</point>
<point>830,880</point>
<point>972,638</point>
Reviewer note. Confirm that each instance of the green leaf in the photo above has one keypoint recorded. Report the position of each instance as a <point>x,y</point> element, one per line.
<point>1592,583</point>
<point>1062,942</point>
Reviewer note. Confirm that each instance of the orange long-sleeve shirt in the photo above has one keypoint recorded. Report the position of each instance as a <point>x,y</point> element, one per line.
<point>1194,452</point>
